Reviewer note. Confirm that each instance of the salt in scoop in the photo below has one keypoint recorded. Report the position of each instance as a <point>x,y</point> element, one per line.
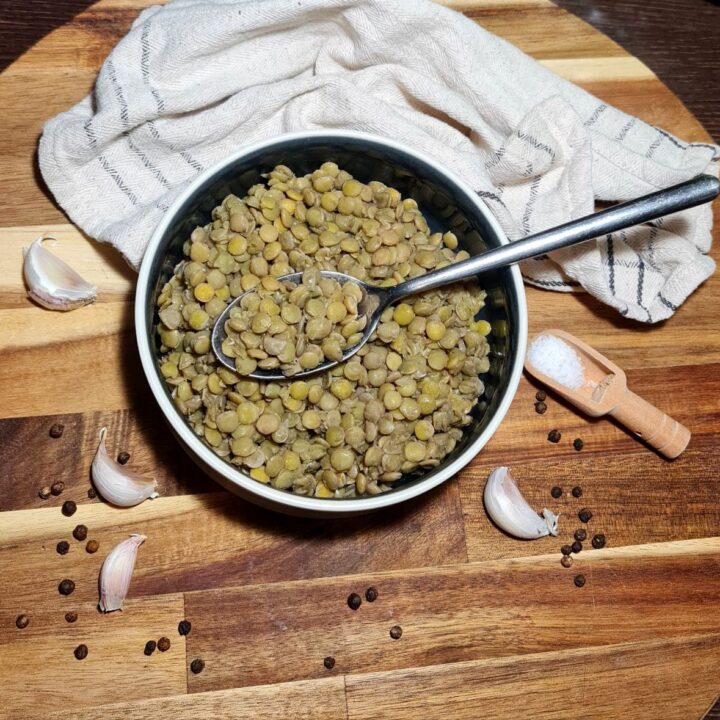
<point>700,189</point>
<point>554,357</point>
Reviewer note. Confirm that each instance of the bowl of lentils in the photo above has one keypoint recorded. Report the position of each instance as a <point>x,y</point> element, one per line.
<point>412,407</point>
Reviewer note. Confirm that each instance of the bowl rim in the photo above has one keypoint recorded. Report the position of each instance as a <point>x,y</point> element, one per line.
<point>235,477</point>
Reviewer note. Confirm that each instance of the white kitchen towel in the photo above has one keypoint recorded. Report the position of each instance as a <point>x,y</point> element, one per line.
<point>195,80</point>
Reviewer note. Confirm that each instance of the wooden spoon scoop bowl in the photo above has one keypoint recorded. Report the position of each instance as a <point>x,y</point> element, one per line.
<point>605,392</point>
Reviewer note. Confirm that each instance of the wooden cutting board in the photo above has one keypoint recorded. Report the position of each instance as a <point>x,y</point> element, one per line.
<point>492,627</point>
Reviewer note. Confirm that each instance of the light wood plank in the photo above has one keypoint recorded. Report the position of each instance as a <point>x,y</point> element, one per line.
<point>314,700</point>
<point>674,679</point>
<point>41,674</point>
<point>465,612</point>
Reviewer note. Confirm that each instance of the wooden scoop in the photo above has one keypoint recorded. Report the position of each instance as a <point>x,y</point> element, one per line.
<point>605,392</point>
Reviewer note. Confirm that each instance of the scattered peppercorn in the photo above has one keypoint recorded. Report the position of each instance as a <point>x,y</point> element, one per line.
<point>554,436</point>
<point>69,508</point>
<point>566,561</point>
<point>579,580</point>
<point>578,444</point>
<point>577,491</point>
<point>150,646</point>
<point>197,665</point>
<point>92,546</point>
<point>581,534</point>
<point>80,532</point>
<point>123,457</point>
<point>556,492</point>
<point>565,549</point>
<point>540,395</point>
<point>395,632</point>
<point>57,487</point>
<point>598,541</point>
<point>585,515</point>
<point>576,547</point>
<point>22,621</point>
<point>81,652</point>
<point>371,594</point>
<point>71,617</point>
<point>91,493</point>
<point>354,601</point>
<point>62,547</point>
<point>163,644</point>
<point>44,492</point>
<point>56,430</point>
<point>329,662</point>
<point>184,627</point>
<point>66,587</point>
<point>540,408</point>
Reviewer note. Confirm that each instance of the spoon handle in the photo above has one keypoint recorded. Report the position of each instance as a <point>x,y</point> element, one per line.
<point>700,189</point>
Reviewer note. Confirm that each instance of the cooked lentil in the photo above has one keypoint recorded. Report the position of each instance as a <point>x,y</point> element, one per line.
<point>398,405</point>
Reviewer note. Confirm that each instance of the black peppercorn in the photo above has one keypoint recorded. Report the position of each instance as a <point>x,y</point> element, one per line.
<point>69,508</point>
<point>578,444</point>
<point>566,561</point>
<point>71,617</point>
<point>56,430</point>
<point>57,487</point>
<point>576,547</point>
<point>598,541</point>
<point>371,594</point>
<point>123,457</point>
<point>62,547</point>
<point>565,549</point>
<point>92,546</point>
<point>354,601</point>
<point>163,644</point>
<point>44,492</point>
<point>540,395</point>
<point>540,408</point>
<point>554,436</point>
<point>581,534</point>
<point>91,493</point>
<point>395,632</point>
<point>556,492</point>
<point>66,587</point>
<point>197,665</point>
<point>80,532</point>
<point>585,515</point>
<point>81,652</point>
<point>577,491</point>
<point>22,621</point>
<point>579,580</point>
<point>329,662</point>
<point>150,646</point>
<point>184,627</point>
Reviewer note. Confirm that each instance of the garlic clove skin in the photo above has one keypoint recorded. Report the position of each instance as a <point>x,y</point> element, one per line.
<point>115,483</point>
<point>509,510</point>
<point>116,573</point>
<point>52,283</point>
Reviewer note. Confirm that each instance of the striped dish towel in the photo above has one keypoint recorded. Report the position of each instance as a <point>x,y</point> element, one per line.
<point>195,80</point>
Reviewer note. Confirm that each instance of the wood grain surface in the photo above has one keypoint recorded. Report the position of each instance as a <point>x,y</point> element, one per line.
<point>492,627</point>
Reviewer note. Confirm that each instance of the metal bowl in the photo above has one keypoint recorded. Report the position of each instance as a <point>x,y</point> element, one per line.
<point>447,203</point>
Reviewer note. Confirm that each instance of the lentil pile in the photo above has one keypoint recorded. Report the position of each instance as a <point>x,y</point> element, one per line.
<point>398,405</point>
<point>293,326</point>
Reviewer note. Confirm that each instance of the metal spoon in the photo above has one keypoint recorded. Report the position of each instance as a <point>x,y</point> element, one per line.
<point>700,189</point>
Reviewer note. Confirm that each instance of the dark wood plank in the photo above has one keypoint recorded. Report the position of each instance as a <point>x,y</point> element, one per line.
<point>281,632</point>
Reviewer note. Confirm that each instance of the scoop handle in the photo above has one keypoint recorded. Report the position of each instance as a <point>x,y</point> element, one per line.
<point>654,426</point>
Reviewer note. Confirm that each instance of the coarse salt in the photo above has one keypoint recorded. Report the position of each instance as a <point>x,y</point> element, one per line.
<point>556,359</point>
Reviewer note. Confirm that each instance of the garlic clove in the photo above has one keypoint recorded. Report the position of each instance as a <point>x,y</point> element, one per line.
<point>509,510</point>
<point>116,573</point>
<point>117,484</point>
<point>51,282</point>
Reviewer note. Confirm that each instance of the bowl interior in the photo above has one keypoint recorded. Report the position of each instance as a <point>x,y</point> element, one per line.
<point>445,205</point>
